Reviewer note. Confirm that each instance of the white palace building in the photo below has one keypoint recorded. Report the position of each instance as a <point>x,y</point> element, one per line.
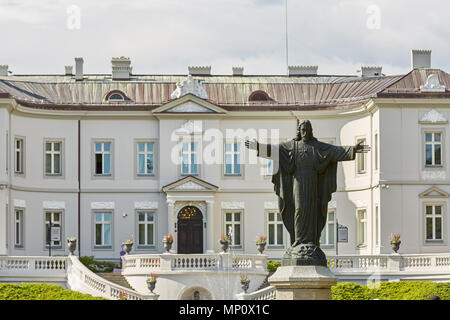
<point>108,157</point>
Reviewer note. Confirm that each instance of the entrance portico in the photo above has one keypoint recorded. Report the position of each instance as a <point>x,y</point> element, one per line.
<point>190,202</point>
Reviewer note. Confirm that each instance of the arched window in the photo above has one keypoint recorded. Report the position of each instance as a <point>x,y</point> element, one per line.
<point>259,96</point>
<point>116,96</point>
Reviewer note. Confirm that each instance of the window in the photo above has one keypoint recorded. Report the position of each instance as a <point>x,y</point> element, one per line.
<point>232,159</point>
<point>361,159</point>
<point>18,155</point>
<point>259,96</point>
<point>433,222</point>
<point>103,158</point>
<point>433,146</point>
<point>145,158</point>
<point>327,235</point>
<point>376,150</point>
<point>233,226</point>
<point>18,228</point>
<point>361,228</point>
<point>189,164</point>
<point>116,97</point>
<point>103,229</point>
<point>53,158</point>
<point>377,225</point>
<point>268,167</point>
<point>275,229</point>
<point>53,235</point>
<point>146,228</point>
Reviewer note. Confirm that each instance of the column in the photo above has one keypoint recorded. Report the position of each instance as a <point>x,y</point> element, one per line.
<point>171,223</point>
<point>209,232</point>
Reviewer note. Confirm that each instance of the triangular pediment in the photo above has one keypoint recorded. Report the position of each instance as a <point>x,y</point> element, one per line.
<point>190,183</point>
<point>434,192</point>
<point>189,104</point>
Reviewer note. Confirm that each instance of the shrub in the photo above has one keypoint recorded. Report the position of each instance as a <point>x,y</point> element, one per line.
<point>98,266</point>
<point>272,266</point>
<point>44,291</point>
<point>403,290</point>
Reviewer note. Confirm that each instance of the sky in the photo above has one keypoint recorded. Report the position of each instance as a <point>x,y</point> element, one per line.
<point>167,36</point>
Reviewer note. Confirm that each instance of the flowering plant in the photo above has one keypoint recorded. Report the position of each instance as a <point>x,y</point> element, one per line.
<point>168,239</point>
<point>128,241</point>
<point>71,239</point>
<point>244,278</point>
<point>152,278</point>
<point>395,237</point>
<point>123,295</point>
<point>224,238</point>
<point>261,239</point>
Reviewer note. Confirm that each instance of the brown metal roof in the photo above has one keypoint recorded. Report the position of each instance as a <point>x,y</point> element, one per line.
<point>149,92</point>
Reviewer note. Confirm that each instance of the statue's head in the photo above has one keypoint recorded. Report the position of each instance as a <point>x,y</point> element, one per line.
<point>304,131</point>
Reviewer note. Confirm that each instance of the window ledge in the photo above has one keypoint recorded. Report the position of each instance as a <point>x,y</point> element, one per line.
<point>275,247</point>
<point>434,241</point>
<point>144,247</point>
<point>327,246</point>
<point>102,247</point>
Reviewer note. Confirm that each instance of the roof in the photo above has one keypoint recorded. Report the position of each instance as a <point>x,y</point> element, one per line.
<point>147,92</point>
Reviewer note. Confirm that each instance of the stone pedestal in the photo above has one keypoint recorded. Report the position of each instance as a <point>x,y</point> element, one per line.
<point>303,283</point>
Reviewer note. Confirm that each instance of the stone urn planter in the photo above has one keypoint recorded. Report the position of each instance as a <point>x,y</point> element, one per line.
<point>261,247</point>
<point>127,246</point>
<point>224,245</point>
<point>151,283</point>
<point>167,246</point>
<point>395,246</point>
<point>72,245</point>
<point>245,283</point>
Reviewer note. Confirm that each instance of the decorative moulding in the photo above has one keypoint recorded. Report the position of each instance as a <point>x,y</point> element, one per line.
<point>332,204</point>
<point>20,203</point>
<point>433,116</point>
<point>361,203</point>
<point>190,185</point>
<point>189,107</point>
<point>434,192</point>
<point>433,175</point>
<point>271,205</point>
<point>432,84</point>
<point>233,205</point>
<point>190,127</point>
<point>146,205</point>
<point>53,205</point>
<point>189,85</point>
<point>102,205</point>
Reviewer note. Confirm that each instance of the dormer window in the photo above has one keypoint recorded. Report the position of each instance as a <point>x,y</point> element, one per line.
<point>116,96</point>
<point>259,96</point>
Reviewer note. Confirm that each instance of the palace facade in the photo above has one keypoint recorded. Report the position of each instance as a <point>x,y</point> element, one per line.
<point>109,157</point>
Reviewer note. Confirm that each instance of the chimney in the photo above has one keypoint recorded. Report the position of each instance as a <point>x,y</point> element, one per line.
<point>4,70</point>
<point>371,71</point>
<point>199,70</point>
<point>302,70</point>
<point>121,68</point>
<point>79,68</point>
<point>238,71</point>
<point>69,70</point>
<point>420,59</point>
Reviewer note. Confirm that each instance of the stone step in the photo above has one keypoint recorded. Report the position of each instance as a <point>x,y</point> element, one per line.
<point>116,278</point>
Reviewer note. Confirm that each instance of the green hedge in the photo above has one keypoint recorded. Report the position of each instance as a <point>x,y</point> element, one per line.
<point>44,291</point>
<point>98,266</point>
<point>403,290</point>
<point>272,266</point>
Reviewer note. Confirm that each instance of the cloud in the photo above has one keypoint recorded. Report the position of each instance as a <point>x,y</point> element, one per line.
<point>165,36</point>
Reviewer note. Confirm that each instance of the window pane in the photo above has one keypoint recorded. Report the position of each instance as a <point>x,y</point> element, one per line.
<point>185,165</point>
<point>279,217</point>
<point>98,234</point>
<point>141,216</point>
<point>57,146</point>
<point>141,233</point>
<point>48,146</point>
<point>56,217</point>
<point>237,167</point>
<point>193,168</point>
<point>57,164</point>
<point>429,210</point>
<point>150,217</point>
<point>437,154</point>
<point>228,217</point>
<point>437,210</point>
<point>323,237</point>
<point>141,147</point>
<point>427,137</point>
<point>149,163</point>
<point>237,234</point>
<point>141,163</point>
<point>185,147</point>
<point>98,164</point>
<point>331,233</point>
<point>331,216</point>
<point>236,147</point>
<point>438,226</point>
<point>98,217</point>
<point>150,147</point>
<point>107,217</point>
<point>193,146</point>
<point>271,233</point>
<point>227,147</point>
<point>107,228</point>
<point>437,137</point>
<point>107,164</point>
<point>237,217</point>
<point>107,147</point>
<point>48,163</point>
<point>428,154</point>
<point>271,216</point>
<point>228,168</point>
<point>98,147</point>
<point>150,234</point>
<point>429,228</point>
<point>279,233</point>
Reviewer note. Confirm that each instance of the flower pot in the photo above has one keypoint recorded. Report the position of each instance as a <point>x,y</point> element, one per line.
<point>261,247</point>
<point>72,245</point>
<point>224,245</point>
<point>395,246</point>
<point>244,285</point>
<point>151,285</point>
<point>167,246</point>
<point>127,247</point>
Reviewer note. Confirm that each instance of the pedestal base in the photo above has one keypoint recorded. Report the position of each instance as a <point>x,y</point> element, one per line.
<point>303,283</point>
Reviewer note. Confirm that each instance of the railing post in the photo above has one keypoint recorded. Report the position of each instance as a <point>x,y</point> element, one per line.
<point>226,261</point>
<point>394,262</point>
<point>166,261</point>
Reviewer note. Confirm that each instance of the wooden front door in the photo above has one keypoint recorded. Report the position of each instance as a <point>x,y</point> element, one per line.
<point>190,230</point>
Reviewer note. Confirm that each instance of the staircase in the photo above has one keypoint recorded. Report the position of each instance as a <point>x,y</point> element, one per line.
<point>116,278</point>
<point>266,282</point>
